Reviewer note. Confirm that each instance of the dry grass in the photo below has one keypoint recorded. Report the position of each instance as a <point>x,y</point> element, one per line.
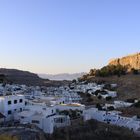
<point>5,137</point>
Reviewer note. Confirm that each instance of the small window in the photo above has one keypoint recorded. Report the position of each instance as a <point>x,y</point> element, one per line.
<point>52,111</point>
<point>20,109</point>
<point>62,120</point>
<point>15,101</point>
<point>9,112</point>
<point>20,100</point>
<point>9,102</point>
<point>35,121</point>
<point>15,110</point>
<point>25,103</point>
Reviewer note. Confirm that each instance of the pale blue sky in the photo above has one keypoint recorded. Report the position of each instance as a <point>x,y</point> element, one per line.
<point>57,36</point>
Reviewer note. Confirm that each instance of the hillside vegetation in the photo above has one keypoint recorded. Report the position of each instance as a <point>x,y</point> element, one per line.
<point>92,130</point>
<point>5,137</point>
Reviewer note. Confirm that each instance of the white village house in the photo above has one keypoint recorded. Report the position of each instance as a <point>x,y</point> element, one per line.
<point>112,117</point>
<point>11,104</point>
<point>43,117</point>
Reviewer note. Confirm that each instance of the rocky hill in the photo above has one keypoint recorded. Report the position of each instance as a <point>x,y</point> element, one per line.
<point>21,77</point>
<point>128,83</point>
<point>132,61</point>
<point>27,78</point>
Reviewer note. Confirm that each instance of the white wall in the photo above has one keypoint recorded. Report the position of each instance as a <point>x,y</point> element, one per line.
<point>69,107</point>
<point>12,107</point>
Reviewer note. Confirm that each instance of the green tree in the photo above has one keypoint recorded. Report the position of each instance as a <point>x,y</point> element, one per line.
<point>134,71</point>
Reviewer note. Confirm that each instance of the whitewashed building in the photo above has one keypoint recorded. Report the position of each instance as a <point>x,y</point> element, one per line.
<point>112,117</point>
<point>120,104</point>
<point>11,104</point>
<point>43,117</point>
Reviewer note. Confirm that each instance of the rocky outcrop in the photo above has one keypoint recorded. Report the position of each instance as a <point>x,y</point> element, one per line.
<point>131,61</point>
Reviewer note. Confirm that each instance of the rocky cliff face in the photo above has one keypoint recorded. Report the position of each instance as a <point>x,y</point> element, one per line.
<point>132,61</point>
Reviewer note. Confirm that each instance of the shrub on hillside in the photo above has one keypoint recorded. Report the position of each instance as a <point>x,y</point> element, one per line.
<point>131,100</point>
<point>108,98</point>
<point>111,108</point>
<point>6,137</point>
<point>99,97</point>
<point>109,71</point>
<point>137,104</point>
<point>98,106</point>
<point>88,95</point>
<point>97,92</point>
<point>89,100</point>
<point>134,71</point>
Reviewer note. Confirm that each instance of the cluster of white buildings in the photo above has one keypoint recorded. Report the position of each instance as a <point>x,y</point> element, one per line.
<point>66,92</point>
<point>88,88</point>
<point>32,106</point>
<point>42,107</point>
<point>91,88</point>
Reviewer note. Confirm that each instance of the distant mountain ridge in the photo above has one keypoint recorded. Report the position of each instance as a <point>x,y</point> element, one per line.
<point>63,76</point>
